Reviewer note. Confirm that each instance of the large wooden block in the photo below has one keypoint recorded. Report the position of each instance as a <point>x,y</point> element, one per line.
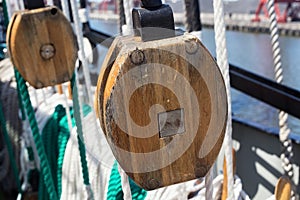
<point>163,108</point>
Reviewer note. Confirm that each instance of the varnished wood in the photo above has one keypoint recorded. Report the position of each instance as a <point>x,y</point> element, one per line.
<point>283,189</point>
<point>175,73</point>
<point>225,179</point>
<point>42,46</point>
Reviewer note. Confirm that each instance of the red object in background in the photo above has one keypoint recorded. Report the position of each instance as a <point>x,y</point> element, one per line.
<point>282,18</point>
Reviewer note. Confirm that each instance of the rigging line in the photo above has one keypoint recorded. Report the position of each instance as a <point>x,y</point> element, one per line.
<point>122,20</point>
<point>44,164</point>
<point>209,184</point>
<point>284,131</point>
<point>79,119</point>
<point>125,184</point>
<point>9,148</point>
<point>222,60</point>
<point>65,8</point>
<point>81,53</point>
<point>128,5</point>
<point>82,56</point>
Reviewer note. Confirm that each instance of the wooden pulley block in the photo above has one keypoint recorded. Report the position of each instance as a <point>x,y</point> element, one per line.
<point>42,46</point>
<point>163,107</point>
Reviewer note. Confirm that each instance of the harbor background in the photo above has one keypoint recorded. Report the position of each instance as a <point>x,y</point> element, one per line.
<point>251,51</point>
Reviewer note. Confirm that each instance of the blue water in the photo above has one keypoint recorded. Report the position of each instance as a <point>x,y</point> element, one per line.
<point>252,52</point>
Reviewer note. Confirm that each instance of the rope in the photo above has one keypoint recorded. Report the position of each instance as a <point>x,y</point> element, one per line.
<point>65,8</point>
<point>81,53</point>
<point>128,5</point>
<point>222,61</point>
<point>209,185</point>
<point>192,13</point>
<point>6,13</point>
<point>44,164</point>
<point>122,20</point>
<point>125,184</point>
<point>79,120</point>
<point>115,192</point>
<point>284,131</point>
<point>9,148</point>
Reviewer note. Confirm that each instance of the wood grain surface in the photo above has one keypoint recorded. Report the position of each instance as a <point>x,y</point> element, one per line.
<point>42,46</point>
<point>163,108</point>
<point>283,189</point>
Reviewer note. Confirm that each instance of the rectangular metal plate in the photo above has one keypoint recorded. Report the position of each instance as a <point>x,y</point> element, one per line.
<point>171,123</point>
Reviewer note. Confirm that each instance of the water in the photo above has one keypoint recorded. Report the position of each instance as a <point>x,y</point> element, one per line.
<point>252,52</point>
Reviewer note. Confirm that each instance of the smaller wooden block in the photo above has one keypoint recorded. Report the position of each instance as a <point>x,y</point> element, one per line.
<point>42,46</point>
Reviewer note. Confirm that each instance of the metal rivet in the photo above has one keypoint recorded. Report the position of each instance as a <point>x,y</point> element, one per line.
<point>53,11</point>
<point>39,84</point>
<point>137,57</point>
<point>191,46</point>
<point>47,51</point>
<point>66,78</point>
<point>153,184</point>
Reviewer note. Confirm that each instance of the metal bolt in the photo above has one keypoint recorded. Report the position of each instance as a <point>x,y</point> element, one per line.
<point>200,170</point>
<point>66,78</point>
<point>47,51</point>
<point>39,84</point>
<point>191,46</point>
<point>137,57</point>
<point>153,184</point>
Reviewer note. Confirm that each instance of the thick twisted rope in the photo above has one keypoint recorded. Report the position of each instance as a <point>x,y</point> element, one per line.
<point>81,53</point>
<point>284,131</point>
<point>209,185</point>
<point>44,164</point>
<point>65,8</point>
<point>122,20</point>
<point>128,5</point>
<point>82,151</point>
<point>125,184</point>
<point>221,51</point>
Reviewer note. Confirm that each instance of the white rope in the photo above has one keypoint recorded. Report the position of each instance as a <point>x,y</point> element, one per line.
<point>209,184</point>
<point>9,10</point>
<point>82,56</point>
<point>65,8</point>
<point>221,51</point>
<point>69,118</point>
<point>44,96</point>
<point>21,4</point>
<point>128,5</point>
<point>81,52</point>
<point>284,131</point>
<point>50,2</point>
<point>125,184</point>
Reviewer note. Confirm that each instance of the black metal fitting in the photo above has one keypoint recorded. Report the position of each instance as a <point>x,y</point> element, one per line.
<point>148,4</point>
<point>153,21</point>
<point>34,4</point>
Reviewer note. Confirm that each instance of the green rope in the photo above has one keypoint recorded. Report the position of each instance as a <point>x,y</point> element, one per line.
<point>9,148</point>
<point>115,192</point>
<point>84,166</point>
<point>44,164</point>
<point>5,14</point>
<point>53,146</point>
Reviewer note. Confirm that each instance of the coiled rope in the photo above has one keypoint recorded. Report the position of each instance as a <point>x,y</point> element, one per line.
<point>221,51</point>
<point>115,192</point>
<point>284,131</point>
